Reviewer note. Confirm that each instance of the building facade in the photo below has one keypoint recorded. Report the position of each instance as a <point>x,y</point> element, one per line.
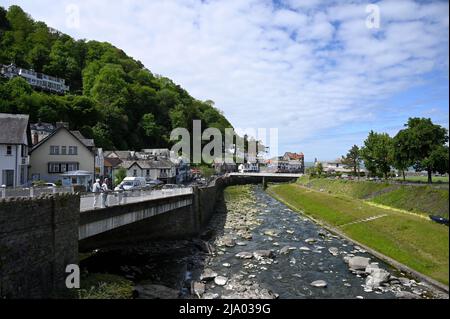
<point>15,140</point>
<point>37,80</point>
<point>60,153</point>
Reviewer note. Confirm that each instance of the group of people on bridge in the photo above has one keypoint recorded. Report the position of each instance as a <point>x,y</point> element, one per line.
<point>100,190</point>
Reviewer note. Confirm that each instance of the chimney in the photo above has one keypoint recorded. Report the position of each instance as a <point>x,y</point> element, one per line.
<point>62,124</point>
<point>35,138</point>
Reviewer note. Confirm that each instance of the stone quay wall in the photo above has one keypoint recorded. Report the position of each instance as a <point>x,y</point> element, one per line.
<point>38,239</point>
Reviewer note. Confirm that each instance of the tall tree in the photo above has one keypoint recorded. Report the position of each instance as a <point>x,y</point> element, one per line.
<point>424,143</point>
<point>377,153</point>
<point>353,160</point>
<point>400,152</point>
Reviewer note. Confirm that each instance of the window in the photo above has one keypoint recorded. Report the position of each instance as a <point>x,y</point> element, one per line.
<point>72,167</point>
<point>8,150</point>
<point>63,150</point>
<point>54,150</point>
<point>53,167</point>
<point>135,172</point>
<point>73,150</point>
<point>148,172</point>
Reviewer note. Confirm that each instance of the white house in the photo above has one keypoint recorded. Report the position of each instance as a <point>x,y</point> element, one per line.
<point>159,168</point>
<point>61,153</point>
<point>15,139</point>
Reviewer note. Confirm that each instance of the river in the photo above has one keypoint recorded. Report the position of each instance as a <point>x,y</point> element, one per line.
<point>282,254</point>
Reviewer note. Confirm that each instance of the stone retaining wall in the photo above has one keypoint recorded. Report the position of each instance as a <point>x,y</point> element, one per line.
<point>38,239</point>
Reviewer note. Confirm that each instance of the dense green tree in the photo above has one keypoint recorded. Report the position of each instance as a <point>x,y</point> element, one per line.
<point>424,143</point>
<point>377,153</point>
<point>400,152</point>
<point>353,160</point>
<point>4,23</point>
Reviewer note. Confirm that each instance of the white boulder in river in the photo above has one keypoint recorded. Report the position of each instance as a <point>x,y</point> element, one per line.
<point>319,284</point>
<point>377,277</point>
<point>220,280</point>
<point>358,263</point>
<point>244,255</point>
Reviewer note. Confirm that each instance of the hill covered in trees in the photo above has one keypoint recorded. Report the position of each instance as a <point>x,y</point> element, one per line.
<point>113,98</point>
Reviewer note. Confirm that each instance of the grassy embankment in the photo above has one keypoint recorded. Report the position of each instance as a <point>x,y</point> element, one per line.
<point>410,239</point>
<point>424,199</point>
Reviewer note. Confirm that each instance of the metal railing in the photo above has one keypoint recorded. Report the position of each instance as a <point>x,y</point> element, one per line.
<point>116,198</point>
<point>33,192</point>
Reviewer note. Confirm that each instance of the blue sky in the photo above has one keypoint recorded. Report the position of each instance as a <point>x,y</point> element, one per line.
<point>310,68</point>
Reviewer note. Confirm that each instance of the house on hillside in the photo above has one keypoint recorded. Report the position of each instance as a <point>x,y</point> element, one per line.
<point>15,140</point>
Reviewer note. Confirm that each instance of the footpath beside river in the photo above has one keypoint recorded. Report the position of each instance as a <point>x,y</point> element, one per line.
<point>257,247</point>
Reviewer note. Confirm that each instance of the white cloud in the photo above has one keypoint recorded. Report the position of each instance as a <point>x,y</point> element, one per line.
<point>304,67</point>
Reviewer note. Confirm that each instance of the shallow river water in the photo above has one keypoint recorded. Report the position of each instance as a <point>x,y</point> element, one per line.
<point>296,252</point>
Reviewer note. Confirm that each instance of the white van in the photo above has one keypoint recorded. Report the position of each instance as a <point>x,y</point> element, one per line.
<point>132,183</point>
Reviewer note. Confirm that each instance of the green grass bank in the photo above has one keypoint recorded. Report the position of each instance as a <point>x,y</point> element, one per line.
<point>407,238</point>
<point>420,199</point>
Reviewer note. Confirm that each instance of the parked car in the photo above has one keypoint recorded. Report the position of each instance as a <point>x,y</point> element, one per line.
<point>132,183</point>
<point>154,183</point>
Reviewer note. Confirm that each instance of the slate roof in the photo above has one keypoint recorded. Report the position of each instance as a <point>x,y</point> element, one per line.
<point>13,128</point>
<point>149,164</point>
<point>85,141</point>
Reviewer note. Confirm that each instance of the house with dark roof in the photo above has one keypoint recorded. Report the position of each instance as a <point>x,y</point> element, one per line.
<point>15,140</point>
<point>160,168</point>
<point>61,156</point>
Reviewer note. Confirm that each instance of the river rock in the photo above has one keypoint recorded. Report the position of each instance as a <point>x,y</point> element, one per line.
<point>304,248</point>
<point>319,284</point>
<point>259,254</point>
<point>244,255</point>
<point>371,267</point>
<point>334,251</point>
<point>220,280</point>
<point>226,265</point>
<point>405,281</point>
<point>377,277</point>
<point>210,295</point>
<point>229,242</point>
<point>272,232</point>
<point>286,250</point>
<point>322,233</point>
<point>198,288</point>
<point>208,274</point>
<point>241,243</point>
<point>358,263</point>
<point>310,241</point>
<point>406,295</point>
<point>151,291</point>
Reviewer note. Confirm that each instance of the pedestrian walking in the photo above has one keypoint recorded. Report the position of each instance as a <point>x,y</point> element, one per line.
<point>105,191</point>
<point>96,189</point>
